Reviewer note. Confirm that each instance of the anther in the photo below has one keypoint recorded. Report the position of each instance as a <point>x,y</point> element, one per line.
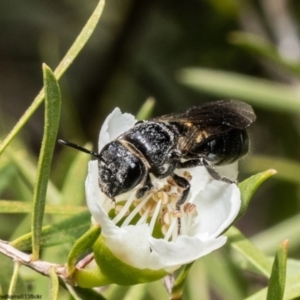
<point>176,214</point>
<point>187,175</point>
<point>189,208</point>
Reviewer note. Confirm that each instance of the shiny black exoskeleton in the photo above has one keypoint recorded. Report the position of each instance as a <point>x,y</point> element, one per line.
<point>210,134</point>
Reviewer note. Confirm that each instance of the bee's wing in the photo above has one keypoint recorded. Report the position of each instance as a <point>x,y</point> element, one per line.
<point>233,113</point>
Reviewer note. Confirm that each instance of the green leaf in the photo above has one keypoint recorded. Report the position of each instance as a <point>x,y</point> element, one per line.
<point>12,207</point>
<point>259,46</point>
<point>268,239</point>
<point>63,232</point>
<point>287,168</point>
<point>177,289</point>
<point>52,115</point>
<point>292,290</point>
<point>54,285</point>
<point>146,109</point>
<point>249,186</point>
<point>240,243</point>
<point>278,274</point>
<point>84,243</point>
<point>261,92</point>
<point>72,53</point>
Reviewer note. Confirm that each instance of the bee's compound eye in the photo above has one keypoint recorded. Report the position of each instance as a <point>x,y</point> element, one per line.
<point>135,173</point>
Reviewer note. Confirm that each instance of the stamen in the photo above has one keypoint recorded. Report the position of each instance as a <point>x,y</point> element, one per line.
<point>176,214</point>
<point>166,188</point>
<point>135,211</point>
<point>180,190</point>
<point>173,197</point>
<point>171,229</point>
<point>187,175</point>
<point>171,181</point>
<point>166,218</point>
<point>154,216</point>
<point>188,221</point>
<point>155,196</point>
<point>164,229</point>
<point>125,208</point>
<point>119,207</point>
<point>190,210</point>
<point>144,217</point>
<point>176,231</point>
<point>183,227</point>
<point>163,196</point>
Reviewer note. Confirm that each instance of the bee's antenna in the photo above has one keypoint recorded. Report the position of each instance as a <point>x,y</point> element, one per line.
<point>72,145</point>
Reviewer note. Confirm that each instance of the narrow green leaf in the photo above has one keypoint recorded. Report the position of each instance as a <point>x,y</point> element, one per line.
<point>72,53</point>
<point>240,243</point>
<point>287,169</point>
<point>259,46</point>
<point>268,239</point>
<point>249,186</point>
<point>177,289</point>
<point>146,109</point>
<point>85,242</point>
<point>261,92</point>
<point>278,274</point>
<point>52,115</point>
<point>292,290</point>
<point>54,285</point>
<point>12,207</point>
<point>63,232</point>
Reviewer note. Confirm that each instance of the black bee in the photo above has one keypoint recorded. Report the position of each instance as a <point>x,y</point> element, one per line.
<point>207,135</point>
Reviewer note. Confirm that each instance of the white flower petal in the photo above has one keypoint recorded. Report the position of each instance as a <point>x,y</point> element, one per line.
<point>218,205</point>
<point>95,198</point>
<point>229,171</point>
<point>170,255</point>
<point>114,125</point>
<point>130,244</point>
<point>200,179</point>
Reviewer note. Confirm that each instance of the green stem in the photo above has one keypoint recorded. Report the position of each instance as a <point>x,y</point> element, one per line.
<point>14,278</point>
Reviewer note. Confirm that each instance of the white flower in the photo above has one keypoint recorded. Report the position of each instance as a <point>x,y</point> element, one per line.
<point>151,232</point>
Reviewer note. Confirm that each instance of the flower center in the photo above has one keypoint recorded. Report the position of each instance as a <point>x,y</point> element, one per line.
<point>158,208</point>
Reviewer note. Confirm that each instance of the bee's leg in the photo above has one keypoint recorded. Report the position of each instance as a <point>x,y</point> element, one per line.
<point>146,187</point>
<point>210,169</point>
<point>183,183</point>
<point>162,173</point>
<point>215,175</point>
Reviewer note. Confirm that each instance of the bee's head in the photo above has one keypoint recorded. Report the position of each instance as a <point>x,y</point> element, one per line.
<point>119,169</point>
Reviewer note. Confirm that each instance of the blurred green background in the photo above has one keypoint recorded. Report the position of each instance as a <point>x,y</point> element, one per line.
<point>138,50</point>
